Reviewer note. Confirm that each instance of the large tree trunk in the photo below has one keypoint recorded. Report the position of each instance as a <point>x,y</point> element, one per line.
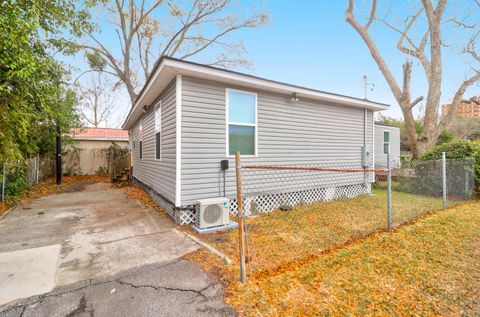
<point>411,130</point>
<point>131,92</point>
<point>428,53</point>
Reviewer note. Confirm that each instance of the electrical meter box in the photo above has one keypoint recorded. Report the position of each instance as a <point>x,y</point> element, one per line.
<point>366,156</point>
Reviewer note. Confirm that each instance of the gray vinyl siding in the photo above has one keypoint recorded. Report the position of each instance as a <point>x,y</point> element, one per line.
<point>158,174</point>
<point>380,158</point>
<point>305,132</point>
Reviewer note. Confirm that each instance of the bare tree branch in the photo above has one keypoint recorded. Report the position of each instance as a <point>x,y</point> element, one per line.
<point>374,51</point>
<point>457,100</point>
<point>139,27</point>
<point>97,104</point>
<point>429,52</point>
<point>415,102</point>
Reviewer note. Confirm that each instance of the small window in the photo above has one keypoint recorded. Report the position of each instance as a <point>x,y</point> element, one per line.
<point>158,132</point>
<point>386,142</point>
<point>140,140</point>
<point>242,122</point>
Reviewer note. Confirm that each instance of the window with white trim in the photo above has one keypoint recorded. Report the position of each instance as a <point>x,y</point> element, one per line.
<point>158,132</point>
<point>241,122</point>
<point>140,140</point>
<point>386,142</point>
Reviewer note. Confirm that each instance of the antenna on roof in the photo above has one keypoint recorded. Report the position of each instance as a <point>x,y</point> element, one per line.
<point>367,86</point>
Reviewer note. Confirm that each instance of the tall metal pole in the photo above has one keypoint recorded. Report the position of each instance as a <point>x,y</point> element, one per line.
<point>444,179</point>
<point>58,155</point>
<point>241,222</point>
<point>389,191</point>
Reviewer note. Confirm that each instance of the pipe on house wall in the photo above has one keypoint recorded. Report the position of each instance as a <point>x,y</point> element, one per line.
<point>365,128</point>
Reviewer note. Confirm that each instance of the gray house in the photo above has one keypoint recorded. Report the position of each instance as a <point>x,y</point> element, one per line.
<point>387,138</point>
<point>189,117</point>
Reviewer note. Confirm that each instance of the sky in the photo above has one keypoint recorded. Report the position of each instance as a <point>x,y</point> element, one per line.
<point>309,43</point>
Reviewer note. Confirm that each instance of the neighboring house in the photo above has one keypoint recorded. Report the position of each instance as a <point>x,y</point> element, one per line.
<point>467,108</point>
<point>387,138</point>
<point>189,117</point>
<point>92,150</point>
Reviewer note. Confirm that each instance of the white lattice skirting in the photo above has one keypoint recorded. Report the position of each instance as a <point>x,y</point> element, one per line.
<point>263,203</point>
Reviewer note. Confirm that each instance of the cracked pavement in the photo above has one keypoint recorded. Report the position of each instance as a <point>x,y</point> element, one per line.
<point>176,288</point>
<point>109,256</point>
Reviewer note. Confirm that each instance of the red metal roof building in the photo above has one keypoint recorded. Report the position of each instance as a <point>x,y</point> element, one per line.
<point>106,134</point>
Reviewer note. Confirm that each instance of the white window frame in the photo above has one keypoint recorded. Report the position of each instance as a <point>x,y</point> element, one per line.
<point>389,142</point>
<point>140,139</point>
<point>158,107</point>
<point>227,122</point>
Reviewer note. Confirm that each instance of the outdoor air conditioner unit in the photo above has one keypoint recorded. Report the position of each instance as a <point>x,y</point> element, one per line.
<point>212,212</point>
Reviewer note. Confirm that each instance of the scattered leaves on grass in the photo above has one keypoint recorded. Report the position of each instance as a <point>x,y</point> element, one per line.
<point>334,259</point>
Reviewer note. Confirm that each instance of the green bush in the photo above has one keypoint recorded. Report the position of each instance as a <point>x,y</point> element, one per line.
<point>16,182</point>
<point>459,150</point>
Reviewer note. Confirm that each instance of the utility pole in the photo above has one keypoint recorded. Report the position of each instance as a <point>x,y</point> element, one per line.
<point>58,155</point>
<point>367,86</point>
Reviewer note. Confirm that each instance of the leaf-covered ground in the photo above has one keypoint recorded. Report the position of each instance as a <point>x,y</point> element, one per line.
<point>69,183</point>
<point>335,259</point>
<point>279,240</point>
<point>428,268</point>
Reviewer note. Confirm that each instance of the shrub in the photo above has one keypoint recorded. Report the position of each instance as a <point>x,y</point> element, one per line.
<point>460,150</point>
<point>16,182</point>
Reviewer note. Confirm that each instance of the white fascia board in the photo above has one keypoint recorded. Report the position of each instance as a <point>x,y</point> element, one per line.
<point>194,70</point>
<point>140,100</point>
<point>169,68</point>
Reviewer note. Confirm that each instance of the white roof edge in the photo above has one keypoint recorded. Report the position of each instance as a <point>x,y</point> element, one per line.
<point>142,93</point>
<point>198,70</point>
<point>386,125</point>
<point>266,84</point>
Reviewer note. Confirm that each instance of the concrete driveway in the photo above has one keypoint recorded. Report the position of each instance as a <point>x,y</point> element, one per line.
<point>92,234</point>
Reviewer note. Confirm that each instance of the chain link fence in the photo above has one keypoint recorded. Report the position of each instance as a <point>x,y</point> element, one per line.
<point>296,212</point>
<point>15,177</point>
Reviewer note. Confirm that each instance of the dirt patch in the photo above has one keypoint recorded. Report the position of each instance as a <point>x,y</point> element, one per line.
<point>80,183</point>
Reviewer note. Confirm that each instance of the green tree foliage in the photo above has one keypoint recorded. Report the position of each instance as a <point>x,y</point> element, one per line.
<point>404,143</point>
<point>444,137</point>
<point>459,150</point>
<point>34,94</point>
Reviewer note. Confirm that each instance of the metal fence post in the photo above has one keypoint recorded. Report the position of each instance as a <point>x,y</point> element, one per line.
<point>37,171</point>
<point>389,192</point>
<point>241,227</point>
<point>444,179</point>
<point>4,172</point>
